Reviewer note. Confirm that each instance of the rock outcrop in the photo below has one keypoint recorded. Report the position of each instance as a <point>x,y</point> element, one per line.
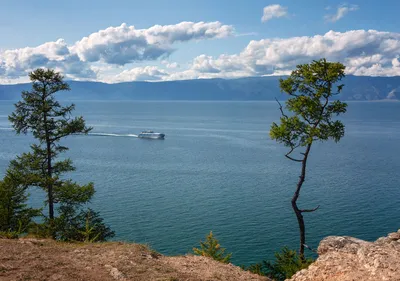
<point>350,259</point>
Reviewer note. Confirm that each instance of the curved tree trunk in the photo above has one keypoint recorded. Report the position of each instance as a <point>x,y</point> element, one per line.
<point>302,228</point>
<point>296,195</point>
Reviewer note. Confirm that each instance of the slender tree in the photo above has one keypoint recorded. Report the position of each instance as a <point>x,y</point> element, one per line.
<point>312,111</point>
<point>41,114</point>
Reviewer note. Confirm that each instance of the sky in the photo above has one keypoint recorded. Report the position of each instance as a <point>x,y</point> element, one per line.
<point>159,40</point>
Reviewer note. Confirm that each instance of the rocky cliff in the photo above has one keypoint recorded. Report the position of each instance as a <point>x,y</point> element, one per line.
<point>350,259</point>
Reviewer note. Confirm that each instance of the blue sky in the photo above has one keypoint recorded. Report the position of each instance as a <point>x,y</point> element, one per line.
<point>179,39</point>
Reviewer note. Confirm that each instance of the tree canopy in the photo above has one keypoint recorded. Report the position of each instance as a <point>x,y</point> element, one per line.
<point>41,114</point>
<point>211,248</point>
<point>312,108</point>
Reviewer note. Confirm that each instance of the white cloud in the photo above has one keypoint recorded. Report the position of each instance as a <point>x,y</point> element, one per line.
<point>273,11</point>
<point>173,65</point>
<point>116,46</point>
<point>108,55</point>
<point>378,69</point>
<point>182,75</point>
<point>147,73</point>
<point>223,64</point>
<point>18,62</point>
<point>170,64</point>
<point>363,52</point>
<point>125,44</point>
<point>341,12</point>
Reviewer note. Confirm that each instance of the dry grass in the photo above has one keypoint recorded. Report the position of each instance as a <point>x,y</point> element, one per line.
<point>35,259</point>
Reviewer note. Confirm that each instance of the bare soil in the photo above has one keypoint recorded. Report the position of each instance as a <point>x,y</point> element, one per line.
<point>35,259</point>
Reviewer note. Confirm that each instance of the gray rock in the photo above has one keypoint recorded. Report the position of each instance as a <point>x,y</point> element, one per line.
<point>347,258</point>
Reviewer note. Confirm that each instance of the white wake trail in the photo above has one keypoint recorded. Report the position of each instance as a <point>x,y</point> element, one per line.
<point>113,135</point>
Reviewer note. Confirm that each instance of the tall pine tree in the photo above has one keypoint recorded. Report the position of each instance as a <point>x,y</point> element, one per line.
<point>42,115</point>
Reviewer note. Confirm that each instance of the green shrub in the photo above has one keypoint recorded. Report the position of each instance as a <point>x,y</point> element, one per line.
<point>40,230</point>
<point>86,226</point>
<point>286,264</point>
<point>211,248</point>
<point>15,216</point>
<point>9,234</point>
<point>14,234</point>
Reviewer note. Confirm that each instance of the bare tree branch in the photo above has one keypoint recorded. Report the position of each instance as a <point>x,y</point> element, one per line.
<point>291,150</point>
<point>293,159</point>
<point>308,120</point>
<point>311,249</point>
<point>281,108</point>
<point>309,210</point>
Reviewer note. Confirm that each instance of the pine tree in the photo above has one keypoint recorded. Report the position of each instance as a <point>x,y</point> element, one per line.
<point>211,248</point>
<point>42,115</point>
<point>312,110</point>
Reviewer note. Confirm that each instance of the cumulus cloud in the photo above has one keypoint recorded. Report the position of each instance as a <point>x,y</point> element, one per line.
<point>378,68</point>
<point>223,64</point>
<point>363,52</point>
<point>367,53</point>
<point>173,65</point>
<point>116,46</point>
<point>170,64</point>
<point>341,12</point>
<point>19,62</point>
<point>147,73</point>
<point>107,55</point>
<point>273,11</point>
<point>125,44</point>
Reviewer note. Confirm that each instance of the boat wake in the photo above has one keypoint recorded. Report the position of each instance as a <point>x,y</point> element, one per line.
<point>113,135</point>
<point>90,134</point>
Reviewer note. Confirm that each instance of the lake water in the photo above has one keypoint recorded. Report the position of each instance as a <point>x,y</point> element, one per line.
<point>218,170</point>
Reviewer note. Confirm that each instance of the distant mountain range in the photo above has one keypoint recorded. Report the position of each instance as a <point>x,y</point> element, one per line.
<point>253,88</point>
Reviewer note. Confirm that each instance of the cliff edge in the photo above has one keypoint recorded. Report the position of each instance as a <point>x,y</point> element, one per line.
<point>35,259</point>
<point>347,259</point>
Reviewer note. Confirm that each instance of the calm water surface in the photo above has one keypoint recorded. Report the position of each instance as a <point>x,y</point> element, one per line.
<point>218,170</point>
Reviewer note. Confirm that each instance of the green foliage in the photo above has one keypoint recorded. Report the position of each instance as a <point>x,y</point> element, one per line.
<point>257,268</point>
<point>9,234</point>
<point>212,248</point>
<point>72,194</point>
<point>15,215</point>
<point>73,226</point>
<point>311,119</point>
<point>14,234</point>
<point>49,122</point>
<point>86,226</point>
<point>41,230</point>
<point>310,88</point>
<point>42,115</point>
<point>286,264</point>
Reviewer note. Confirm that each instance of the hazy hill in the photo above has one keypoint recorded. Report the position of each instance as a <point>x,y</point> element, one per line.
<point>253,88</point>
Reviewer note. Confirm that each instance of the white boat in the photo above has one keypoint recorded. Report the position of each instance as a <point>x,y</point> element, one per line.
<point>151,135</point>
